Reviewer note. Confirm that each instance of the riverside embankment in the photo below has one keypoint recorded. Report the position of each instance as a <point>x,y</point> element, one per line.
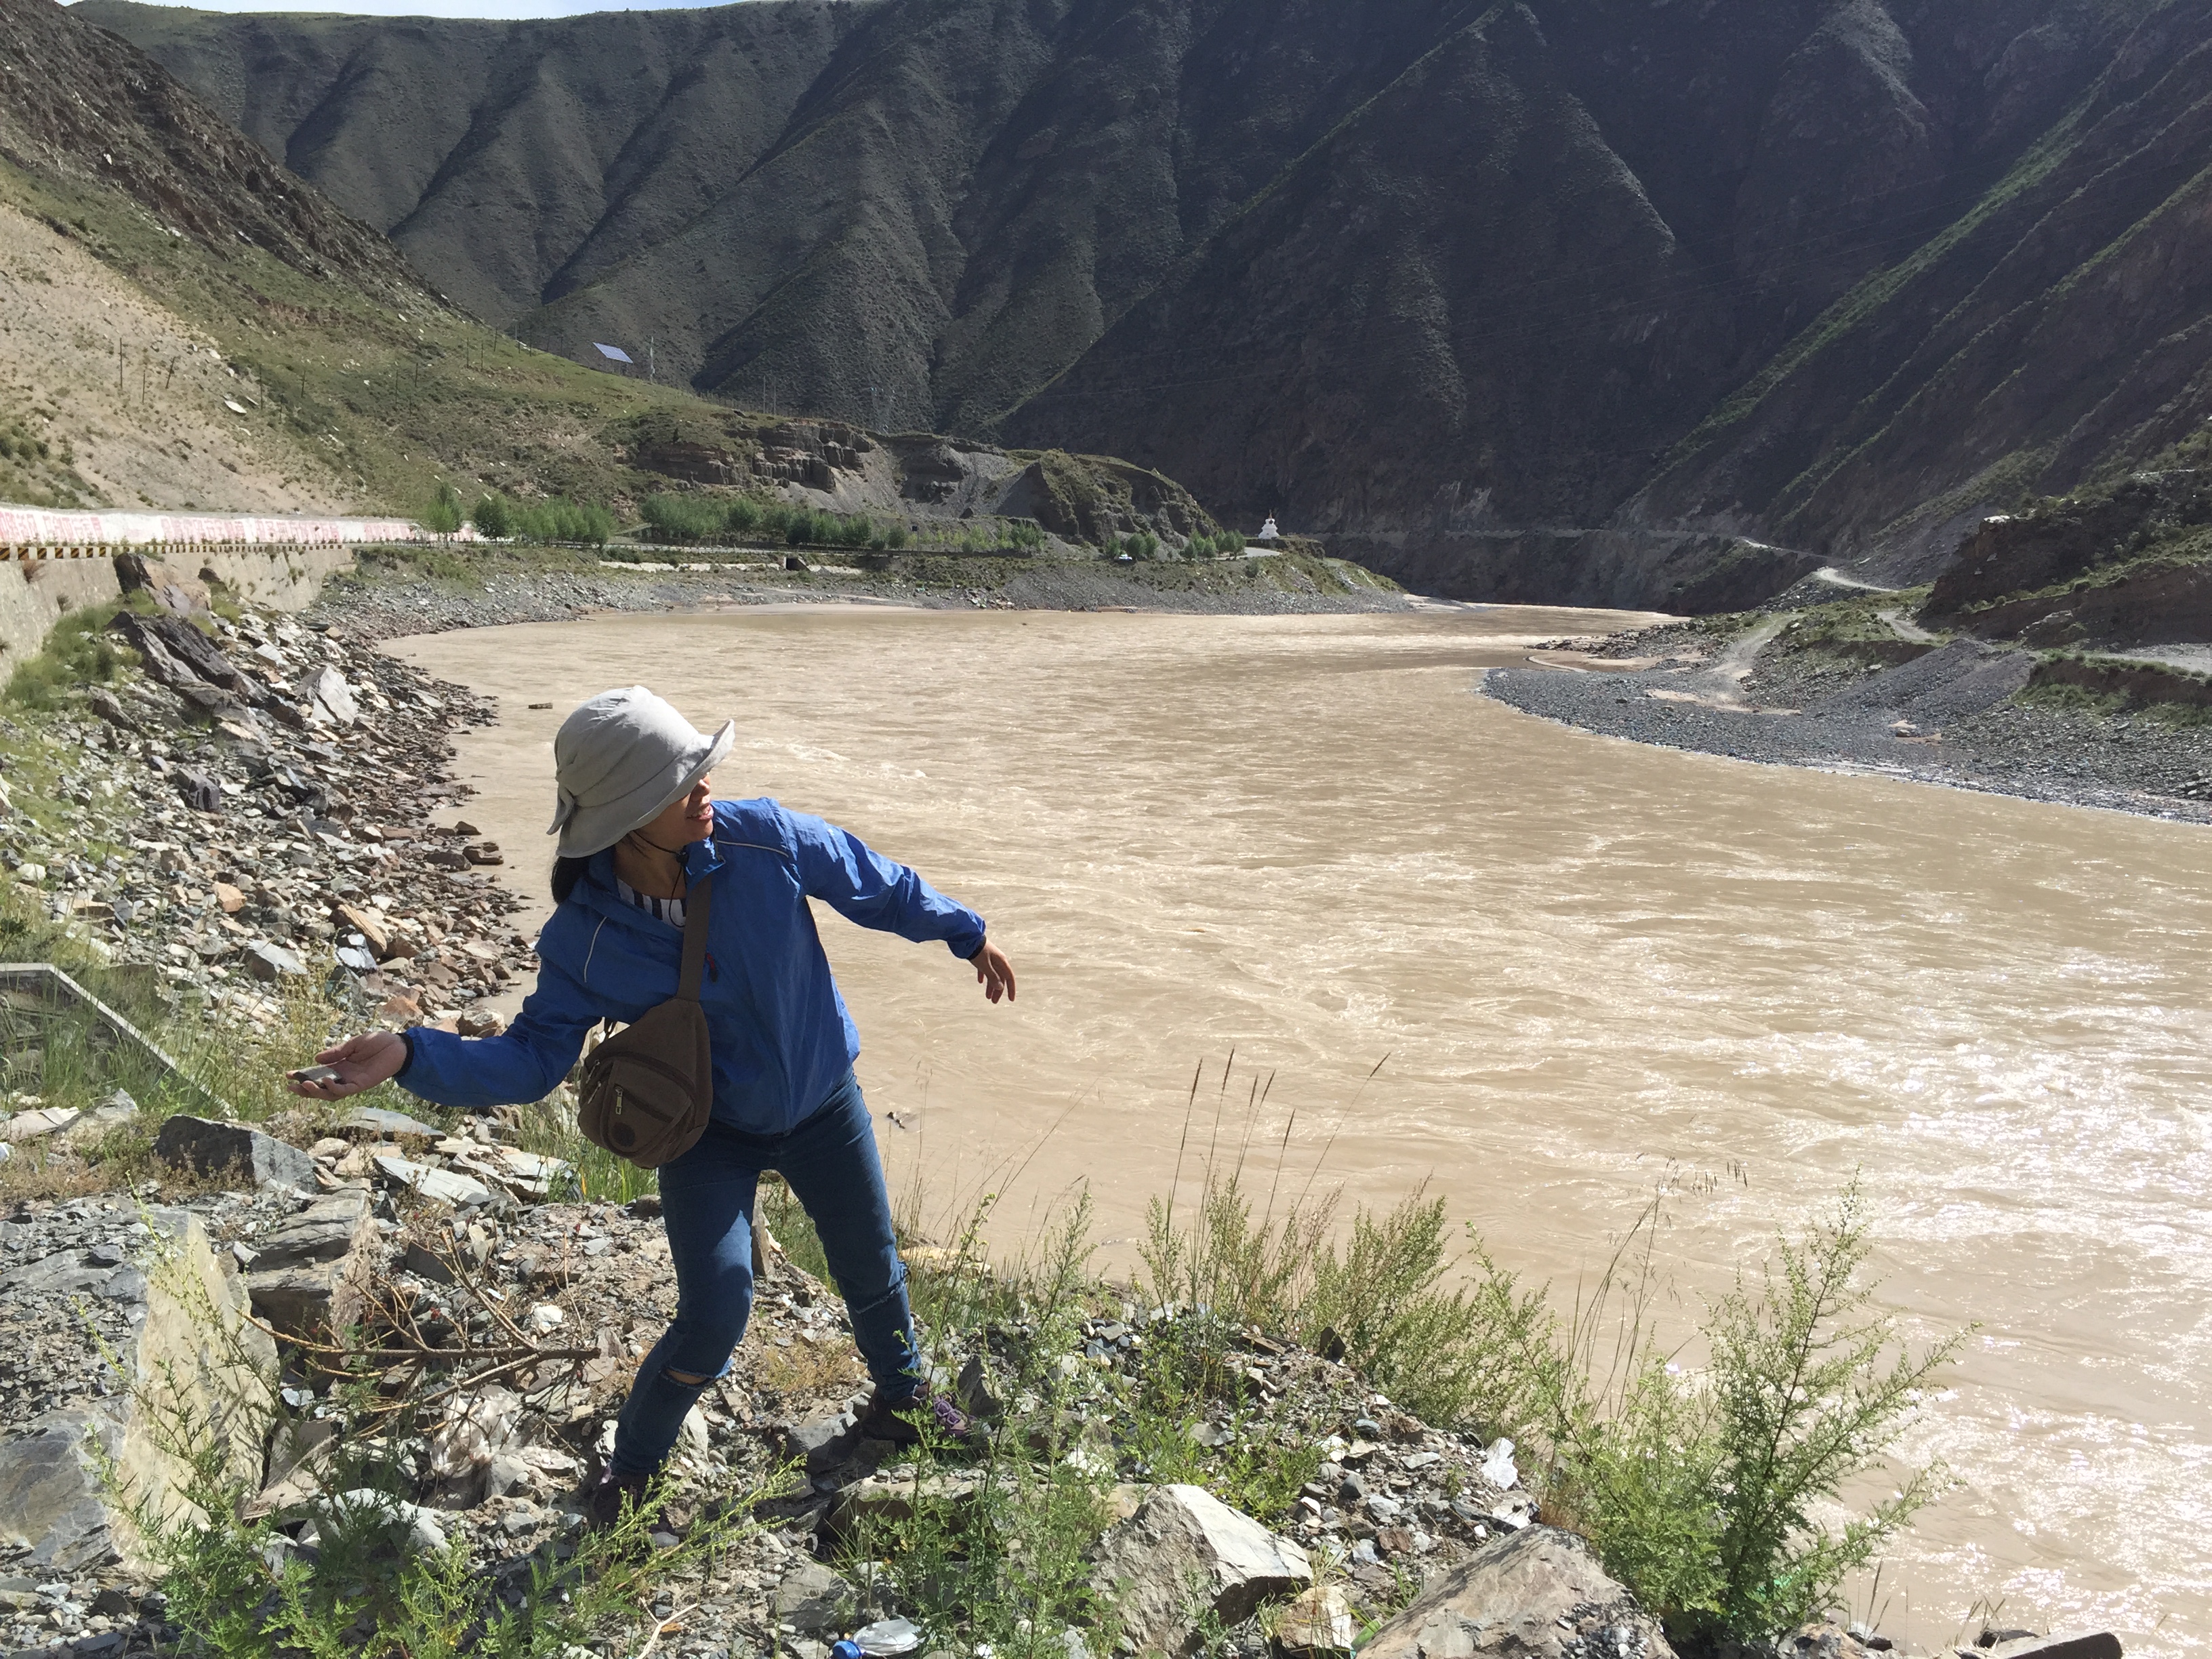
<point>1858,687</point>
<point>1588,969</point>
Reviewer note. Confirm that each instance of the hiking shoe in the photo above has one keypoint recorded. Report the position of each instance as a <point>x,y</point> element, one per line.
<point>615,1492</point>
<point>902,1421</point>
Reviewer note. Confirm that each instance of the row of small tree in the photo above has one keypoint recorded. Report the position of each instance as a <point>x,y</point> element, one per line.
<point>684,520</point>
<point>554,519</point>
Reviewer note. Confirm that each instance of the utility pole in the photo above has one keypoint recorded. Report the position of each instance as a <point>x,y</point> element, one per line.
<point>652,371</point>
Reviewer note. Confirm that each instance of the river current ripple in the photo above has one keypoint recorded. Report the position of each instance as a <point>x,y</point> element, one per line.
<point>1594,970</point>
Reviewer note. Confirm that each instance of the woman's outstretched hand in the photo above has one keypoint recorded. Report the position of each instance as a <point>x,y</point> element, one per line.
<point>994,972</point>
<point>361,1062</point>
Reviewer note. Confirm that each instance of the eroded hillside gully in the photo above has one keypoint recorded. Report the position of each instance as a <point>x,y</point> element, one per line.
<point>1593,970</point>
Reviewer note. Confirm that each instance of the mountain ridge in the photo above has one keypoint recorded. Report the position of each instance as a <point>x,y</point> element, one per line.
<point>1619,328</point>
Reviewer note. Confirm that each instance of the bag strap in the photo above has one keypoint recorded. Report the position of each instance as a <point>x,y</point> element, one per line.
<point>696,903</point>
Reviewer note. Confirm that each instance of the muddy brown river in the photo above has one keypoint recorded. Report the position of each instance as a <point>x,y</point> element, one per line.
<point>1589,970</point>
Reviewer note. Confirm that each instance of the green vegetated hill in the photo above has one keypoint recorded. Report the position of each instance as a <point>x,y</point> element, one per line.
<point>1580,299</point>
<point>339,378</point>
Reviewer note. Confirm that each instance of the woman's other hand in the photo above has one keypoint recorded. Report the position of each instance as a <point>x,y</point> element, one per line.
<point>361,1063</point>
<point>994,972</point>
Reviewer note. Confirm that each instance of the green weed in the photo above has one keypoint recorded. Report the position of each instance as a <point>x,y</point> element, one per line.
<point>1699,1489</point>
<point>78,652</point>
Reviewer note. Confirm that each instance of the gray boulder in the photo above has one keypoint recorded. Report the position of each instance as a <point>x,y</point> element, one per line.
<point>824,1442</point>
<point>1539,1592</point>
<point>1183,1553</point>
<point>51,1496</point>
<point>309,1274</point>
<point>236,1149</point>
<point>812,1601</point>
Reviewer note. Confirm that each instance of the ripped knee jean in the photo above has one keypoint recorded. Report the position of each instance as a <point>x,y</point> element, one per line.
<point>707,1196</point>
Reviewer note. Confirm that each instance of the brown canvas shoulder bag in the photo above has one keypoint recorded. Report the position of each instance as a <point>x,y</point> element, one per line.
<point>646,1091</point>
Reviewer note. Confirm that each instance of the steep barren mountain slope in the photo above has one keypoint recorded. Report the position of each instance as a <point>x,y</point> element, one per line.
<point>78,106</point>
<point>1567,299</point>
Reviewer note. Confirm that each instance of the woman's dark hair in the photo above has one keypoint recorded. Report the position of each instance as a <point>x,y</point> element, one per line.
<point>566,872</point>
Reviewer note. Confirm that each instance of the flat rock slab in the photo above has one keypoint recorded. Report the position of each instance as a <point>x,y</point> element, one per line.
<point>444,1186</point>
<point>53,1505</point>
<point>270,963</point>
<point>44,1121</point>
<point>209,1148</point>
<point>894,1496</point>
<point>1540,1592</point>
<point>1184,1552</point>
<point>51,1496</point>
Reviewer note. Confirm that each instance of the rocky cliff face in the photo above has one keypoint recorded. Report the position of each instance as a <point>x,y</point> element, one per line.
<point>1567,299</point>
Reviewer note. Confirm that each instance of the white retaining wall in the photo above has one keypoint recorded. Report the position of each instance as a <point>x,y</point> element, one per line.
<point>37,587</point>
<point>41,527</point>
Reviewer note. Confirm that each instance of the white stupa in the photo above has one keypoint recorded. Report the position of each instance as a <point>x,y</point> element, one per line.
<point>1267,531</point>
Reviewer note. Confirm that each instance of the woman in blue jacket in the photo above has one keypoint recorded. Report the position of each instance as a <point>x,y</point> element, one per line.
<point>637,826</point>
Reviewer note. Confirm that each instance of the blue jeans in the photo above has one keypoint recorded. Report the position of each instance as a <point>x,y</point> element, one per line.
<point>706,1200</point>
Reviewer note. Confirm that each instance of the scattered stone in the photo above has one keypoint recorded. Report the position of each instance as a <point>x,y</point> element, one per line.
<point>38,1122</point>
<point>1497,1466</point>
<point>324,695</point>
<point>973,1391</point>
<point>895,1495</point>
<point>209,1148</point>
<point>419,1529</point>
<point>1514,1512</point>
<point>1185,1551</point>
<point>426,1263</point>
<point>200,791</point>
<point>270,963</point>
<point>380,1123</point>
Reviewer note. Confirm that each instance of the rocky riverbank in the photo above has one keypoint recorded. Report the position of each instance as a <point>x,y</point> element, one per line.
<point>255,810</point>
<point>392,595</point>
<point>473,1271</point>
<point>1787,688</point>
<point>434,1317</point>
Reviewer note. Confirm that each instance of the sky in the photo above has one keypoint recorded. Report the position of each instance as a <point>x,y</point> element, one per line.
<point>444,8</point>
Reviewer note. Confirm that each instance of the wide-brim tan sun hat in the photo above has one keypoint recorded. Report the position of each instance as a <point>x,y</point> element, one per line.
<point>619,760</point>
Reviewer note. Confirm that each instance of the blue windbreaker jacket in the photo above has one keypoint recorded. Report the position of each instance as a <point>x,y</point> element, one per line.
<point>782,1039</point>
